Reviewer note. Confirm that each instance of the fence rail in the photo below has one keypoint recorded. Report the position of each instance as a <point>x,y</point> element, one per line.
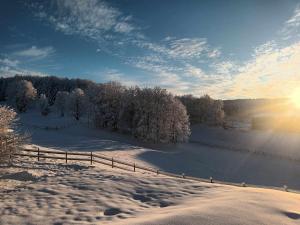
<point>91,157</point>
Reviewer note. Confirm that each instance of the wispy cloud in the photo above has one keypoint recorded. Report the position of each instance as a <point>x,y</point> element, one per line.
<point>35,52</point>
<point>9,62</point>
<point>292,25</point>
<point>116,75</point>
<point>180,48</point>
<point>224,67</point>
<point>6,71</point>
<point>270,73</point>
<point>90,19</point>
<point>186,47</point>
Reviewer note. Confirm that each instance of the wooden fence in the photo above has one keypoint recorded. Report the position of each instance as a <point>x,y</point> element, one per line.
<point>90,157</point>
<point>94,158</point>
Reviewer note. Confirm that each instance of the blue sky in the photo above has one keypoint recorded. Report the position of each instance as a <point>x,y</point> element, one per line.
<point>227,49</point>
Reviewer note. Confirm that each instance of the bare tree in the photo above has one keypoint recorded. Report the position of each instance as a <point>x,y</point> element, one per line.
<point>77,103</point>
<point>10,140</point>
<point>204,109</point>
<point>44,105</point>
<point>61,101</point>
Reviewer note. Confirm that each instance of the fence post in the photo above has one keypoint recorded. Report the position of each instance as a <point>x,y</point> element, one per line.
<point>66,157</point>
<point>38,154</point>
<point>112,162</point>
<point>5,145</point>
<point>91,158</point>
<point>133,167</point>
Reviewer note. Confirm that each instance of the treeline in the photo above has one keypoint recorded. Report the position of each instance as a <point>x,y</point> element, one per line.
<point>48,85</point>
<point>204,109</point>
<point>149,114</point>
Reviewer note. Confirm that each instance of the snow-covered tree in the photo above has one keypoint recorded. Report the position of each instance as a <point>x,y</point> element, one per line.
<point>77,103</point>
<point>8,133</point>
<point>61,101</point>
<point>21,94</point>
<point>159,117</point>
<point>7,118</point>
<point>178,122</point>
<point>127,110</point>
<point>203,109</point>
<point>107,102</point>
<point>44,105</point>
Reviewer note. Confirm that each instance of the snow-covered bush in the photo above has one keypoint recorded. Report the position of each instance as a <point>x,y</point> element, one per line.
<point>7,117</point>
<point>20,94</point>
<point>9,139</point>
<point>61,101</point>
<point>44,105</point>
<point>77,103</point>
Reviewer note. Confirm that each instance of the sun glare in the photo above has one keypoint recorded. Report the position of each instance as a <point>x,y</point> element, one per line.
<point>295,98</point>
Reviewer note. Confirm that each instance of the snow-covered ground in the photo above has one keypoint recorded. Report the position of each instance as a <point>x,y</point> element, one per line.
<point>78,194</point>
<point>53,193</point>
<point>227,155</point>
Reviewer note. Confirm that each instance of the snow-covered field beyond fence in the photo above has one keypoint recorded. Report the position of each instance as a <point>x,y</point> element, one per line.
<point>255,157</point>
<point>50,192</point>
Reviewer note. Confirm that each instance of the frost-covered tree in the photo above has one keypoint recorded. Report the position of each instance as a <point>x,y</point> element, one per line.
<point>178,122</point>
<point>61,101</point>
<point>203,109</point>
<point>107,103</point>
<point>159,117</point>
<point>44,105</point>
<point>127,110</point>
<point>21,94</point>
<point>7,118</point>
<point>77,103</point>
<point>9,138</point>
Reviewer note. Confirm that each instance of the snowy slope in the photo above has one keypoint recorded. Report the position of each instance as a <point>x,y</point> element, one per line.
<point>194,158</point>
<point>56,194</point>
<point>50,192</point>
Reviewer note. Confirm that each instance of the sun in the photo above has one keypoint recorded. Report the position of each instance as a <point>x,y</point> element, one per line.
<point>295,98</point>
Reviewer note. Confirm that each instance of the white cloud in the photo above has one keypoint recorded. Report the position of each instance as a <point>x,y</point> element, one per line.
<point>116,75</point>
<point>292,25</point>
<point>187,47</point>
<point>90,19</point>
<point>123,27</point>
<point>224,67</point>
<point>35,52</point>
<point>269,74</point>
<point>214,53</point>
<point>6,71</point>
<point>181,48</point>
<point>9,62</point>
<point>195,71</point>
<point>266,48</point>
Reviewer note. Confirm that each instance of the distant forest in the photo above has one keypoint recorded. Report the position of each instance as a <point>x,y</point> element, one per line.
<point>149,114</point>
